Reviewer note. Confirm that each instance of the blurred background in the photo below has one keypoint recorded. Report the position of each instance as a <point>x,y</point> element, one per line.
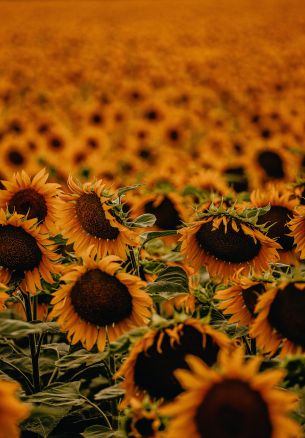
<point>128,90</point>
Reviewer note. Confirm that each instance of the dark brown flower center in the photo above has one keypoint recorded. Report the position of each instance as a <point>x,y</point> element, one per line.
<point>232,409</point>
<point>237,178</point>
<point>232,246</point>
<point>92,218</point>
<point>279,217</point>
<point>272,164</point>
<point>30,202</point>
<point>250,296</point>
<point>166,214</point>
<point>96,119</point>
<point>101,299</point>
<point>287,314</point>
<point>15,157</point>
<point>154,371</point>
<point>56,143</point>
<point>144,427</point>
<point>18,249</point>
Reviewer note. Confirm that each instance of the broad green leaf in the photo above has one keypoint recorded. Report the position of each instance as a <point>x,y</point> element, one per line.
<point>111,392</point>
<point>144,221</point>
<point>98,431</point>
<point>63,394</point>
<point>155,234</point>
<point>13,328</point>
<point>44,419</point>
<point>126,189</point>
<point>171,279</point>
<point>78,358</point>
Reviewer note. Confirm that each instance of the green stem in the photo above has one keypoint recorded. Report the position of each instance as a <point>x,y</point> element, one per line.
<point>98,409</point>
<point>34,307</point>
<point>55,371</point>
<point>32,342</point>
<point>29,384</point>
<point>135,264</point>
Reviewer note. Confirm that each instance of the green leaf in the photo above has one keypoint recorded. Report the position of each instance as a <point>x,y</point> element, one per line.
<point>171,279</point>
<point>59,239</point>
<point>44,419</point>
<point>78,358</point>
<point>155,234</point>
<point>122,344</point>
<point>64,394</point>
<point>98,431</point>
<point>144,221</point>
<point>14,328</point>
<point>111,392</point>
<point>126,189</point>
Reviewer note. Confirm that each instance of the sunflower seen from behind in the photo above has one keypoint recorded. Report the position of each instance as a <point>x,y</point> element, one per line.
<point>224,240</point>
<point>87,218</point>
<point>100,301</point>
<point>232,401</point>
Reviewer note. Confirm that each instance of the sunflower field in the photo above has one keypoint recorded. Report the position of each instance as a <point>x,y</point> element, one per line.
<point>152,219</point>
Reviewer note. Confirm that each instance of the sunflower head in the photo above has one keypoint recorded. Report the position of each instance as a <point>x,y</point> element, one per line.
<point>279,326</point>
<point>226,240</point>
<point>239,300</point>
<point>33,198</point>
<point>99,300</point>
<point>277,218</point>
<point>142,419</point>
<point>235,400</point>
<point>25,252</point>
<point>88,217</point>
<point>166,348</point>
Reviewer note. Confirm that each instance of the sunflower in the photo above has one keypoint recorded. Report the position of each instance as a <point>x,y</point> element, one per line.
<point>142,419</point>
<point>56,146</point>
<point>33,198</point>
<point>99,300</point>
<point>86,220</point>
<point>168,209</point>
<point>15,157</point>
<point>165,180</point>
<point>267,162</point>
<point>233,401</point>
<point>297,190</point>
<point>225,242</point>
<point>234,172</point>
<point>154,112</point>
<point>25,252</point>
<point>240,299</point>
<point>3,296</point>
<point>279,215</point>
<point>209,181</point>
<point>165,349</point>
<point>12,411</point>
<point>297,227</point>
<point>280,322</point>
